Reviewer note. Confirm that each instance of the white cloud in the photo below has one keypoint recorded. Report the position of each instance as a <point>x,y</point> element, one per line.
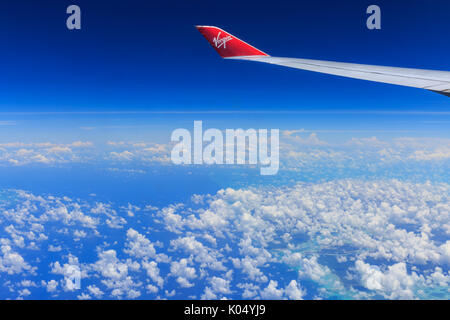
<point>386,220</point>
<point>352,238</point>
<point>109,266</point>
<point>83,296</point>
<point>293,291</point>
<point>271,292</point>
<point>24,293</point>
<point>220,285</point>
<point>394,283</point>
<point>138,245</point>
<point>153,272</point>
<point>183,272</point>
<point>53,248</point>
<point>80,144</point>
<point>440,153</point>
<point>12,262</point>
<point>95,291</point>
<point>152,289</point>
<point>51,286</point>
<point>122,156</point>
<point>311,269</point>
<point>20,153</point>
<point>116,274</point>
<point>208,294</point>
<point>201,253</point>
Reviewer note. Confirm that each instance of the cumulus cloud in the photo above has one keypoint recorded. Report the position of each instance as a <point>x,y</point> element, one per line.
<point>271,292</point>
<point>394,283</point>
<point>11,262</point>
<point>122,156</point>
<point>20,153</point>
<point>49,153</point>
<point>441,153</point>
<point>138,245</point>
<point>201,253</point>
<point>51,286</point>
<point>220,285</point>
<point>183,272</point>
<point>115,274</point>
<point>153,272</point>
<point>293,291</point>
<point>343,238</point>
<point>95,291</point>
<point>390,221</point>
<point>299,149</point>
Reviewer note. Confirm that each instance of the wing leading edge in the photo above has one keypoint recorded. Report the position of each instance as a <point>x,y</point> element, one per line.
<point>230,47</point>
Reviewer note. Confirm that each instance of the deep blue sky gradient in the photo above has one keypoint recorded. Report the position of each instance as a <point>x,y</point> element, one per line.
<point>147,55</point>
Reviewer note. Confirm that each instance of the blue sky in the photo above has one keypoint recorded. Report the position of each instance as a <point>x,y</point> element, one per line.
<point>148,56</point>
<point>358,210</point>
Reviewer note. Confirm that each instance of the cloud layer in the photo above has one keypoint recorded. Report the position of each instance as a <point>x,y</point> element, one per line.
<point>349,238</point>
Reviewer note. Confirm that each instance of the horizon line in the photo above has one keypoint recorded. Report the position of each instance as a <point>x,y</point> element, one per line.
<point>227,112</point>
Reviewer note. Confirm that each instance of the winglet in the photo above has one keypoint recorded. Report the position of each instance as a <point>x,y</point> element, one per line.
<point>227,45</point>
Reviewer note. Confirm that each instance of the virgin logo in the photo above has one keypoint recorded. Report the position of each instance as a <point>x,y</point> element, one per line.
<point>221,42</point>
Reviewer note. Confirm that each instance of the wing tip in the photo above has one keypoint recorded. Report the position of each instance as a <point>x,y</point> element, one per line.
<point>445,93</point>
<point>227,45</point>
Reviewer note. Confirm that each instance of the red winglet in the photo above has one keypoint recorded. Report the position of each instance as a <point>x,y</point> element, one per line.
<point>227,45</point>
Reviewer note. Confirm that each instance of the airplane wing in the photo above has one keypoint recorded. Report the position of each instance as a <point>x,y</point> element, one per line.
<point>230,47</point>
